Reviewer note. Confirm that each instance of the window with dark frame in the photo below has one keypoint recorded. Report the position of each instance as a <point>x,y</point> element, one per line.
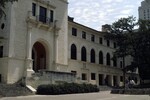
<point>74,31</point>
<point>108,43</point>
<point>108,59</point>
<point>83,35</point>
<point>1,51</point>
<point>83,54</point>
<point>92,55</point>
<point>43,14</point>
<point>121,64</point>
<point>115,61</point>
<point>101,40</point>
<point>33,9</point>
<point>73,52</point>
<point>51,16</point>
<point>93,38</point>
<point>121,78</point>
<point>100,57</point>
<point>115,45</point>
<point>93,76</point>
<point>84,76</point>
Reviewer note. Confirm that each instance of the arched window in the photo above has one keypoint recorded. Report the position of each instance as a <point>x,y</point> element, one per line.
<point>92,56</point>
<point>100,57</point>
<point>83,54</point>
<point>73,52</point>
<point>108,59</point>
<point>115,61</point>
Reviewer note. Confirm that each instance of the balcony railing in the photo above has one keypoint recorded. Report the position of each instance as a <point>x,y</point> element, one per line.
<point>44,20</point>
<point>39,18</point>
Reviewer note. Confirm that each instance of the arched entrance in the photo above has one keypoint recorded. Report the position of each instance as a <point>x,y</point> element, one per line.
<point>38,56</point>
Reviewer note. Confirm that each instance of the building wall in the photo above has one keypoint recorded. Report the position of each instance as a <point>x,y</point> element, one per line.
<point>23,31</point>
<point>144,10</point>
<point>88,67</point>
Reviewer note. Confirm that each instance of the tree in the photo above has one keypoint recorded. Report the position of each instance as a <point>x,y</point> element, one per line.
<point>118,32</point>
<point>2,6</point>
<point>140,49</point>
<point>135,43</point>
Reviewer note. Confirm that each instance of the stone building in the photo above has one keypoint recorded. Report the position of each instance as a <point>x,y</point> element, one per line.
<point>39,37</point>
<point>144,10</point>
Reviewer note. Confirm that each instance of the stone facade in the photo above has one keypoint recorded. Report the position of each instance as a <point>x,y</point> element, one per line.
<point>38,36</point>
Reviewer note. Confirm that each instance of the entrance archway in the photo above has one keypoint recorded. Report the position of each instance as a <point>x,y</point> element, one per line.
<point>38,56</point>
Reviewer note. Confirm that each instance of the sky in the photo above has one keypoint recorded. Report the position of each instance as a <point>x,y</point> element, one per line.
<point>95,13</point>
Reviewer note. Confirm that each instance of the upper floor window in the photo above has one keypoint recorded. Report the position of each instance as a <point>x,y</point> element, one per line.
<point>83,54</point>
<point>1,51</point>
<point>115,45</point>
<point>51,15</point>
<point>83,35</point>
<point>73,52</point>
<point>92,56</point>
<point>33,9</point>
<point>108,59</point>
<point>74,31</point>
<point>43,14</point>
<point>92,38</point>
<point>108,43</point>
<point>100,57</point>
<point>115,61</point>
<point>121,64</point>
<point>101,40</point>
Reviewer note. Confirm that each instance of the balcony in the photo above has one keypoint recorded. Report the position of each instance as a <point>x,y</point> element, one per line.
<point>40,21</point>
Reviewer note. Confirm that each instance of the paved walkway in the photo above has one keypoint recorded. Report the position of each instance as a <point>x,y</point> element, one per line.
<point>90,96</point>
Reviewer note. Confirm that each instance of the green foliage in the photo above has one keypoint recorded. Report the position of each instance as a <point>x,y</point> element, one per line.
<point>118,32</point>
<point>2,6</point>
<point>66,88</point>
<point>135,43</point>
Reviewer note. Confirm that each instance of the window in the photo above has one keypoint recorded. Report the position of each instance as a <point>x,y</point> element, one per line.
<point>51,16</point>
<point>74,31</point>
<point>92,38</point>
<point>93,76</point>
<point>121,78</point>
<point>108,43</point>
<point>101,40</point>
<point>1,51</point>
<point>108,59</point>
<point>83,35</point>
<point>43,14</point>
<point>33,9</point>
<point>83,54</point>
<point>100,57</point>
<point>121,64</point>
<point>115,62</point>
<point>92,56</point>
<point>115,45</point>
<point>84,76</point>
<point>73,52</point>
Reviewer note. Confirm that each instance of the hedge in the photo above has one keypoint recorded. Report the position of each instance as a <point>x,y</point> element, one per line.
<point>66,88</point>
<point>131,91</point>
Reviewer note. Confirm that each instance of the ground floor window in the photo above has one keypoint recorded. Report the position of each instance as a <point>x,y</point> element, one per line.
<point>1,51</point>
<point>84,76</point>
<point>93,76</point>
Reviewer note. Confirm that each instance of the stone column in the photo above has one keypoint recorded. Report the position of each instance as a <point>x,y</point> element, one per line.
<point>118,80</point>
<point>111,82</point>
<point>28,53</point>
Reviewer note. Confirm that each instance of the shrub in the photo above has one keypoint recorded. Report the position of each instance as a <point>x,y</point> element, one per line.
<point>66,88</point>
